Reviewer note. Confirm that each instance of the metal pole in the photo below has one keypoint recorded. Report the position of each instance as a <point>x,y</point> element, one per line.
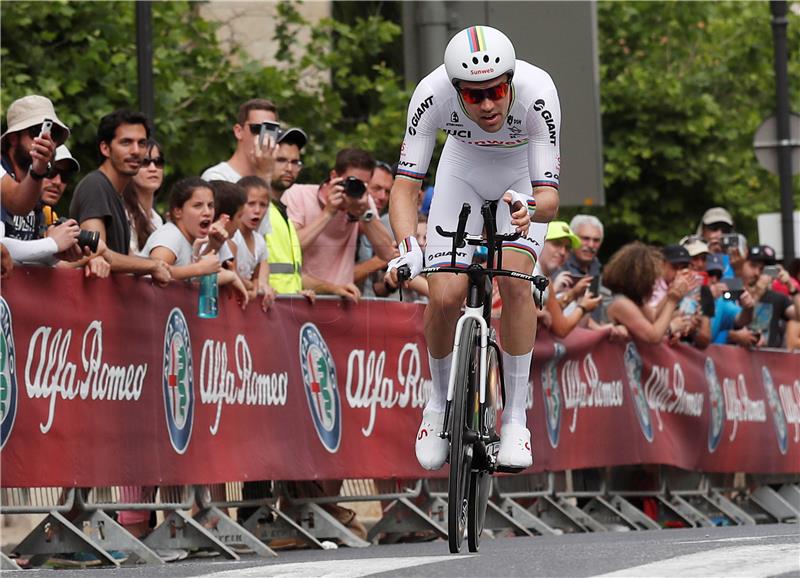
<point>779,25</point>
<point>144,58</point>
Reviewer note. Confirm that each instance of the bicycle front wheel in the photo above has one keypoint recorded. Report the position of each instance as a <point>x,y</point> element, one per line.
<point>480,480</point>
<point>461,452</point>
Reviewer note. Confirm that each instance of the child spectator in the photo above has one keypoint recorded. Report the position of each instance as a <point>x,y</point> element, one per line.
<point>251,248</point>
<point>191,213</point>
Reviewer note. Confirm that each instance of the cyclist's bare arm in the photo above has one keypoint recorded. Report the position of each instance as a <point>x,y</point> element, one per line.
<point>546,204</point>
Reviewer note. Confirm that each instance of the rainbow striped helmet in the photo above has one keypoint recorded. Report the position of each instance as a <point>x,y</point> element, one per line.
<point>479,53</point>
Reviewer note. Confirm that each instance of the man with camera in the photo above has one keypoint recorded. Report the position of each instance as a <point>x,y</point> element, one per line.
<point>256,135</point>
<point>330,216</point>
<point>97,203</point>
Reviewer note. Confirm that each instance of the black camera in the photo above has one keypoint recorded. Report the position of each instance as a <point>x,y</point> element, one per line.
<point>354,187</point>
<point>85,238</point>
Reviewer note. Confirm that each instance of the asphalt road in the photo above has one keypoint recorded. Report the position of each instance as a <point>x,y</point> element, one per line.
<point>754,551</point>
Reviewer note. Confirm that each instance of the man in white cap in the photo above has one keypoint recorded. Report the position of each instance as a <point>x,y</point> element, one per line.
<point>26,153</point>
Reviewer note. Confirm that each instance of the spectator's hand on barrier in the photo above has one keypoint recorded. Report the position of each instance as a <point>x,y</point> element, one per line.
<point>618,333</point>
<point>334,192</point>
<point>309,294</point>
<point>520,213</point>
<point>745,337</point>
<point>42,152</point>
<point>65,235</point>
<point>680,325</point>
<point>97,267</point>
<point>410,255</point>
<point>348,291</point>
<point>228,277</point>
<point>6,262</point>
<point>268,295</point>
<point>161,274</point>
<point>73,253</point>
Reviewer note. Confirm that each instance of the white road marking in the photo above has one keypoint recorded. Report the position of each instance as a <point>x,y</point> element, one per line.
<point>333,568</point>
<point>742,539</point>
<point>744,561</point>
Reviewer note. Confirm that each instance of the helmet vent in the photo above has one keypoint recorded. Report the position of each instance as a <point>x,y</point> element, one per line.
<point>474,60</point>
<point>486,58</point>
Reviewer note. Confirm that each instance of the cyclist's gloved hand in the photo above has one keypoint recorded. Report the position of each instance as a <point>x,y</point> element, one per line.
<point>522,209</point>
<point>411,255</point>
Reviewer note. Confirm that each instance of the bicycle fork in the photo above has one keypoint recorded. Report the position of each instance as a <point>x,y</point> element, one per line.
<point>477,314</point>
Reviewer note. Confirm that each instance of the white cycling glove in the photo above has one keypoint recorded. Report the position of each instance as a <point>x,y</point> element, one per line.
<point>526,200</point>
<point>410,254</point>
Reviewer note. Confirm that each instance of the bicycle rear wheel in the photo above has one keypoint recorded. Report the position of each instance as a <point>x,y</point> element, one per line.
<point>461,452</point>
<point>480,481</point>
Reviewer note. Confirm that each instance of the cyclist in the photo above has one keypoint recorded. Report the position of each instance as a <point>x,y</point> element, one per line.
<point>502,117</point>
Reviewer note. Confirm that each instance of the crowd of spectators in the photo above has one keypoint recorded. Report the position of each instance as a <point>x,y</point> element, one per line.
<point>251,221</point>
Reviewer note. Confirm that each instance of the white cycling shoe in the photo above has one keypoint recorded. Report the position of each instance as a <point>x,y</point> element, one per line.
<point>515,446</point>
<point>431,449</point>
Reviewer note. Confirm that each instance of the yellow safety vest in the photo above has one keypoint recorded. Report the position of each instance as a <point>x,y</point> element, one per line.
<point>285,257</point>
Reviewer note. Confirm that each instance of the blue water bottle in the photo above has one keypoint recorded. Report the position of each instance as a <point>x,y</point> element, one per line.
<point>207,306</point>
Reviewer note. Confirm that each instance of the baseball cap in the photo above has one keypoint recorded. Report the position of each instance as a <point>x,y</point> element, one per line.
<point>30,111</point>
<point>560,230</point>
<point>295,136</point>
<point>694,245</point>
<point>761,254</point>
<point>717,215</point>
<point>676,254</point>
<point>714,262</point>
<point>63,154</point>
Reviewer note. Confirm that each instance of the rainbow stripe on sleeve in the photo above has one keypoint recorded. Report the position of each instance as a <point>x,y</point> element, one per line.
<point>410,174</point>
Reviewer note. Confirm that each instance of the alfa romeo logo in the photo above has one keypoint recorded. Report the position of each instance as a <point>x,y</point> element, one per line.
<point>322,393</point>
<point>778,417</point>
<point>633,369</point>
<point>717,405</point>
<point>8,374</point>
<point>178,381</point>
<point>551,391</point>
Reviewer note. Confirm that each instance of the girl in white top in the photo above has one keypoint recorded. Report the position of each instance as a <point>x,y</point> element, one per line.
<point>251,247</point>
<point>139,197</point>
<point>191,212</point>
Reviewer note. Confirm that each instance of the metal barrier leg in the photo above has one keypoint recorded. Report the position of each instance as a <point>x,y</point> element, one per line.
<point>106,532</point>
<point>57,535</point>
<point>736,514</point>
<point>560,513</point>
<point>322,524</point>
<point>498,519</point>
<point>268,523</point>
<point>686,511</point>
<point>774,504</point>
<point>7,563</point>
<point>402,517</point>
<point>183,532</point>
<point>791,493</point>
<point>526,518</point>
<point>640,520</point>
<point>229,532</point>
<point>604,513</point>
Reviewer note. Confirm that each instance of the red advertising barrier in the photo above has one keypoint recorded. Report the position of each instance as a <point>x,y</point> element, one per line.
<point>118,382</point>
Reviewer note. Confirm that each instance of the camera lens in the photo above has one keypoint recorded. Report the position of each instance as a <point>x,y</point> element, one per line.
<point>353,187</point>
<point>89,239</point>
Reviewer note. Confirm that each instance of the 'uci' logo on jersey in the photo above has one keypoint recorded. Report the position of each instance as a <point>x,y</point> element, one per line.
<point>8,374</point>
<point>633,369</point>
<point>178,381</point>
<point>551,391</point>
<point>319,377</point>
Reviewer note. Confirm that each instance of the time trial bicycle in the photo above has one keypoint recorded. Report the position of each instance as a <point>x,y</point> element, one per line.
<point>476,379</point>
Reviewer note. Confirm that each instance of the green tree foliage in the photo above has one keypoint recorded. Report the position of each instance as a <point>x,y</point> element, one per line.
<point>82,55</point>
<point>684,85</point>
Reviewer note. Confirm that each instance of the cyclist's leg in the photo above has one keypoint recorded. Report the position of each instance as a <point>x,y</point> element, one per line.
<point>517,335</point>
